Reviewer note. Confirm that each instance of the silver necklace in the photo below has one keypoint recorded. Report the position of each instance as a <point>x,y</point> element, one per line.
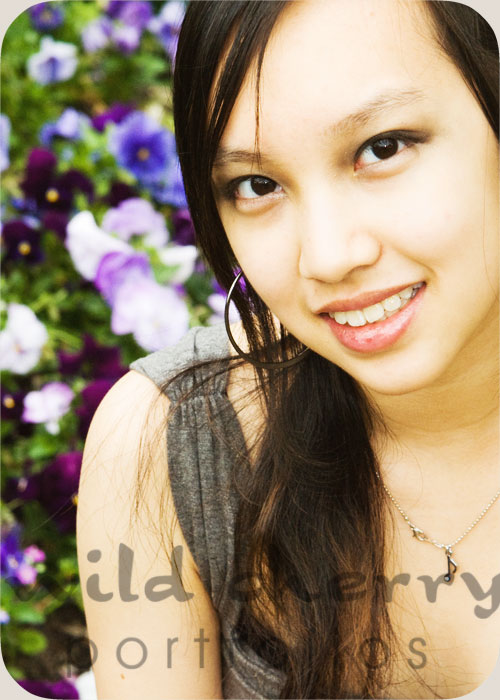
<point>448,548</point>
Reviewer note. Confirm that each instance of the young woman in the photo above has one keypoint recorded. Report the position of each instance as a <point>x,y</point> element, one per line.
<point>328,525</point>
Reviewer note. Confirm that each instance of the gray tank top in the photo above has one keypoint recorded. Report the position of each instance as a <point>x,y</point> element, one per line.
<point>205,498</point>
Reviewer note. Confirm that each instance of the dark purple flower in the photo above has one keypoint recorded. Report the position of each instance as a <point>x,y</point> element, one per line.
<point>119,192</point>
<point>63,689</point>
<point>57,489</point>
<point>46,16</point>
<point>11,404</point>
<point>92,396</point>
<point>142,146</point>
<point>183,227</point>
<point>132,12</point>
<point>116,113</point>
<point>94,360</point>
<point>56,221</point>
<point>21,242</point>
<point>49,191</point>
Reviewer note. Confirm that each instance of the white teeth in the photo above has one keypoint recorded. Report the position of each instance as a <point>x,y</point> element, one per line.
<point>376,312</point>
<point>392,303</point>
<point>373,313</point>
<point>339,316</point>
<point>406,293</point>
<point>355,318</point>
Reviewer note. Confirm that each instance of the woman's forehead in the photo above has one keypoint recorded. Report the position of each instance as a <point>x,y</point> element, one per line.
<point>339,55</point>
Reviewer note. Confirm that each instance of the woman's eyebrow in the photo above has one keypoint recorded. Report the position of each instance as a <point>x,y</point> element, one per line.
<point>367,112</point>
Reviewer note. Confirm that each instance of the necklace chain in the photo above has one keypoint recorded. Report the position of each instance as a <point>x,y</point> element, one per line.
<point>419,534</point>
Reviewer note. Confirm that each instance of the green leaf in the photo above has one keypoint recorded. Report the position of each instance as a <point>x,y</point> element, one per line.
<point>31,641</point>
<point>26,613</point>
<point>16,673</point>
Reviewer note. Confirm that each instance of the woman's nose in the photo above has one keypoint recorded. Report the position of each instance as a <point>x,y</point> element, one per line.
<point>335,239</point>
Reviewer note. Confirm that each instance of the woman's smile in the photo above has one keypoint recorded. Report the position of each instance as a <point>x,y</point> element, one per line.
<point>376,171</point>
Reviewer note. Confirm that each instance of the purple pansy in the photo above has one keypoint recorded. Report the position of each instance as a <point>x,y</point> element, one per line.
<point>93,360</point>
<point>87,244</point>
<point>96,34</point>
<point>115,114</point>
<point>91,396</point>
<point>132,12</point>
<point>119,191</point>
<point>22,242</point>
<point>69,126</point>
<point>126,37</point>
<point>136,216</point>
<point>63,689</point>
<point>168,188</point>
<point>11,403</point>
<point>142,146</point>
<point>4,142</point>
<point>55,62</point>
<point>167,24</point>
<point>116,269</point>
<point>46,16</point>
<point>13,562</point>
<point>156,315</point>
<point>22,340</point>
<point>184,233</point>
<point>51,192</point>
<point>48,405</point>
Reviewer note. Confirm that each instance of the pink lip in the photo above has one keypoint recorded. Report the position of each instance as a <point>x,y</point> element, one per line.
<point>380,335</point>
<point>362,300</point>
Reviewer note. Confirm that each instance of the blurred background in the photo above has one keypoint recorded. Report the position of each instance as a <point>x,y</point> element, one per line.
<point>98,268</point>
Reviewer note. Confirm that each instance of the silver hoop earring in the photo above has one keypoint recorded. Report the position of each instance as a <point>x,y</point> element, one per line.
<point>245,355</point>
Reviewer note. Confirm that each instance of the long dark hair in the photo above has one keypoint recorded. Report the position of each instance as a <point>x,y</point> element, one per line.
<point>313,512</point>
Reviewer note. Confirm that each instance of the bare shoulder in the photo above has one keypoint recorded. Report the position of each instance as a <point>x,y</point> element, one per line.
<point>144,601</point>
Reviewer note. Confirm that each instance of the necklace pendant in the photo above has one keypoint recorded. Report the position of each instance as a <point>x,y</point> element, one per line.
<point>448,577</point>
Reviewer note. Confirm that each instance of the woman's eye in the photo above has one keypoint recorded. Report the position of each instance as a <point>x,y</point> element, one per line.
<point>379,150</point>
<point>255,187</point>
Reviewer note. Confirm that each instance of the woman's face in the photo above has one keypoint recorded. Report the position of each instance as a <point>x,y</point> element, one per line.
<point>375,198</point>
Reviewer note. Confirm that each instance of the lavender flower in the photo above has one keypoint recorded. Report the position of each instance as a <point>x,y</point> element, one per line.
<point>217,302</point>
<point>22,340</point>
<point>55,62</point>
<point>156,315</point>
<point>183,257</point>
<point>87,244</point>
<point>142,146</point>
<point>116,269</point>
<point>132,12</point>
<point>126,37</point>
<point>4,142</point>
<point>167,24</point>
<point>46,16</point>
<point>4,617</point>
<point>48,405</point>
<point>97,34</point>
<point>136,216</point>
<point>69,126</point>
